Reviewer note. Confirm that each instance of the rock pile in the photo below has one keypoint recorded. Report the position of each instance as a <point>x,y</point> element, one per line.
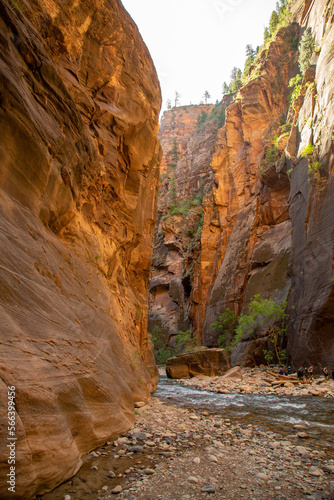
<point>174,453</point>
<point>262,381</point>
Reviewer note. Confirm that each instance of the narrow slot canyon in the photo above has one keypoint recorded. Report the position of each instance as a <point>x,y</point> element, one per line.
<point>166,269</point>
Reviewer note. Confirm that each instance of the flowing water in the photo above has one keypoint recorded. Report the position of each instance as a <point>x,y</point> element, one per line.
<point>275,413</point>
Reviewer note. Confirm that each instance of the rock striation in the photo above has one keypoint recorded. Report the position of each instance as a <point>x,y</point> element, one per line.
<point>79,157</point>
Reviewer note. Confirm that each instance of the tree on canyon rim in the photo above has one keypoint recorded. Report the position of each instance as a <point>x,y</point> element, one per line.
<point>206,96</point>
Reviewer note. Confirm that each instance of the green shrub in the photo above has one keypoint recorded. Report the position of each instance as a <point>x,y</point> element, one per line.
<point>314,168</point>
<point>295,83</point>
<point>201,119</point>
<point>226,325</point>
<point>307,46</point>
<point>308,151</point>
<point>261,312</point>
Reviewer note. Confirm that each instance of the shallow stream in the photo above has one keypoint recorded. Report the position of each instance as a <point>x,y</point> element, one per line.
<point>278,414</point>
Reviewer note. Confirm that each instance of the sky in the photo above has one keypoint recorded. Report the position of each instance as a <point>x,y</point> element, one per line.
<point>195,43</point>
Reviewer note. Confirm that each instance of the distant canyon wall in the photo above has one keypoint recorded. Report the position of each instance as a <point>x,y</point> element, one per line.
<point>79,167</point>
<point>265,216</point>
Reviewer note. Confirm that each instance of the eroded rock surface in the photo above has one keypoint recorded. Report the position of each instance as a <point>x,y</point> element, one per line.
<point>79,161</point>
<point>209,362</point>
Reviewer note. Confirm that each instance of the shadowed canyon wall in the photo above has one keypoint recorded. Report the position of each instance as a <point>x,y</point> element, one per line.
<point>266,224</point>
<point>311,304</point>
<point>79,156</point>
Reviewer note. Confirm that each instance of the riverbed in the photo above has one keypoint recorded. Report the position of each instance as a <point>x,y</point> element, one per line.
<point>274,413</point>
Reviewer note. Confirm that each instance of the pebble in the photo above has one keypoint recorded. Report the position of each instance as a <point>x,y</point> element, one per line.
<point>262,476</point>
<point>208,489</point>
<point>315,471</point>
<point>67,497</point>
<point>303,435</point>
<point>142,436</point>
<point>193,479</point>
<point>140,404</point>
<point>197,461</point>
<point>111,474</point>
<point>302,451</point>
<point>117,489</point>
<point>212,458</point>
<point>148,471</point>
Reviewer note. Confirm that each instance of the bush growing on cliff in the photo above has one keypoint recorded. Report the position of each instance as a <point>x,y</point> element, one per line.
<point>201,119</point>
<point>307,46</point>
<point>226,325</point>
<point>295,84</point>
<point>174,154</point>
<point>262,313</point>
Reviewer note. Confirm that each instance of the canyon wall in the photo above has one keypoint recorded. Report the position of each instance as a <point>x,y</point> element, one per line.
<point>311,304</point>
<point>266,224</point>
<point>79,156</point>
<point>186,180</point>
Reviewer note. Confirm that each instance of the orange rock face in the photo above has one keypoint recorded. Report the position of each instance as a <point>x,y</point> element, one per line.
<point>79,158</point>
<point>186,179</point>
<point>251,197</point>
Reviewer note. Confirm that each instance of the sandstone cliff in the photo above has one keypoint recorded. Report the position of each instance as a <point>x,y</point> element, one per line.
<point>266,216</point>
<point>252,197</point>
<point>79,156</point>
<point>311,305</point>
<point>187,136</point>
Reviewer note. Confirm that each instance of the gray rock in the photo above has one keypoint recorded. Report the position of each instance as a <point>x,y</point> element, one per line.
<point>136,449</point>
<point>140,435</point>
<point>208,489</point>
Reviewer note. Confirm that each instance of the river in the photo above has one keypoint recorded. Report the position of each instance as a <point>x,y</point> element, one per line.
<point>275,413</point>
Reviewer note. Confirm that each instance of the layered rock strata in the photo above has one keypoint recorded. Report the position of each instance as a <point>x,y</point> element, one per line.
<point>79,156</point>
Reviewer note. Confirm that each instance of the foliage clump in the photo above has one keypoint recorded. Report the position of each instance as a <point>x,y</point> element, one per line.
<point>183,342</point>
<point>226,325</point>
<point>307,46</point>
<point>265,313</point>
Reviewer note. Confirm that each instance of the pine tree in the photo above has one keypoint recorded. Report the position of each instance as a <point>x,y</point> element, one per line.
<point>206,96</point>
<point>226,89</point>
<point>274,20</point>
<point>307,45</point>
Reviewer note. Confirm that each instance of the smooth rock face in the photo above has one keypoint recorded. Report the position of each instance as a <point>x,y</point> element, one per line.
<point>79,153</point>
<point>209,362</point>
<point>311,305</point>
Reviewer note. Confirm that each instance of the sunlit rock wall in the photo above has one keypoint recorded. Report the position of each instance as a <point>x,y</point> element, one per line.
<point>79,155</point>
